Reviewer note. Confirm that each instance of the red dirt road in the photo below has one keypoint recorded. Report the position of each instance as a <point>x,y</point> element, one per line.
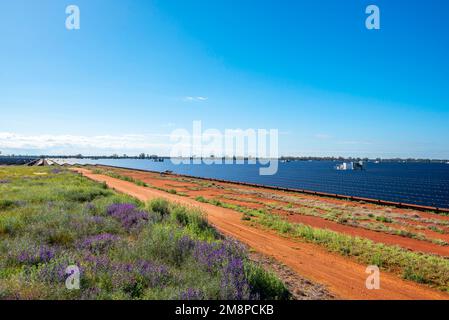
<point>343,277</point>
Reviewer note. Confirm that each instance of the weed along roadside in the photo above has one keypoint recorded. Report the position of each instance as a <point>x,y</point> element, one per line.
<point>320,260</point>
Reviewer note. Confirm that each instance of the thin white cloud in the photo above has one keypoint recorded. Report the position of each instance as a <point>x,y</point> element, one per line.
<point>72,143</point>
<point>195,99</point>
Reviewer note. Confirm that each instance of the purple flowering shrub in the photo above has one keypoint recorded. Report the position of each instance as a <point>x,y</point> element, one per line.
<point>191,294</point>
<point>183,249</point>
<point>129,216</point>
<point>225,259</point>
<point>54,272</point>
<point>100,243</point>
<point>97,263</point>
<point>134,278</point>
<point>119,210</point>
<point>87,225</point>
<point>213,256</point>
<point>103,273</point>
<point>31,255</point>
<point>234,284</point>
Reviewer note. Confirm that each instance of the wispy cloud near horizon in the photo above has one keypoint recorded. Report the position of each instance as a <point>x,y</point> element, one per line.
<point>195,99</point>
<point>71,144</point>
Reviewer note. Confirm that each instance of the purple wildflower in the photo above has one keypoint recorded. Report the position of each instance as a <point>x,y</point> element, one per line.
<point>184,247</point>
<point>210,255</point>
<point>128,215</point>
<point>142,274</point>
<point>54,272</point>
<point>4,181</point>
<point>213,256</point>
<point>191,294</point>
<point>225,258</point>
<point>90,206</point>
<point>120,209</point>
<point>234,249</point>
<point>36,255</point>
<point>46,254</point>
<point>98,263</point>
<point>155,275</point>
<point>134,220</point>
<point>234,285</point>
<point>99,243</point>
<point>97,219</point>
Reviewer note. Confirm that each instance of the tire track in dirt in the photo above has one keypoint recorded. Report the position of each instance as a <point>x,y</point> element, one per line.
<point>342,276</point>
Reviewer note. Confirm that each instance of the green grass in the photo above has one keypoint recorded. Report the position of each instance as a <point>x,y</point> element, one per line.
<point>384,219</point>
<point>46,221</point>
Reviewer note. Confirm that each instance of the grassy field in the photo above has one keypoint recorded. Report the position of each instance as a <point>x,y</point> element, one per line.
<point>51,219</point>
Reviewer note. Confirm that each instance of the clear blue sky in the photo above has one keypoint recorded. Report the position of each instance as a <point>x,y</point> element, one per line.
<point>308,68</point>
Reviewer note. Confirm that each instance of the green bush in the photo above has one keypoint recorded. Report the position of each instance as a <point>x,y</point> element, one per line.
<point>7,204</point>
<point>384,219</point>
<point>201,199</point>
<point>160,206</point>
<point>84,195</point>
<point>265,283</point>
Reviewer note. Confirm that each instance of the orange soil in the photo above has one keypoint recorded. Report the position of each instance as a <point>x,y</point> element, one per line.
<point>377,236</point>
<point>343,277</point>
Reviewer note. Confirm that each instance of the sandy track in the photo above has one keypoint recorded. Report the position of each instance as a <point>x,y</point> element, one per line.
<point>342,276</point>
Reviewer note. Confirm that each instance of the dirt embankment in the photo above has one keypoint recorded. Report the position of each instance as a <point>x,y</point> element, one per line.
<point>342,277</point>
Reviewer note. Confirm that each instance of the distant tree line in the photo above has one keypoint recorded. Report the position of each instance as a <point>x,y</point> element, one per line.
<point>283,158</point>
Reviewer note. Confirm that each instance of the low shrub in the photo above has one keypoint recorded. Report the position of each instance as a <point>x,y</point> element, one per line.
<point>265,283</point>
<point>7,204</point>
<point>160,206</point>
<point>201,199</point>
<point>84,195</point>
<point>384,219</point>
